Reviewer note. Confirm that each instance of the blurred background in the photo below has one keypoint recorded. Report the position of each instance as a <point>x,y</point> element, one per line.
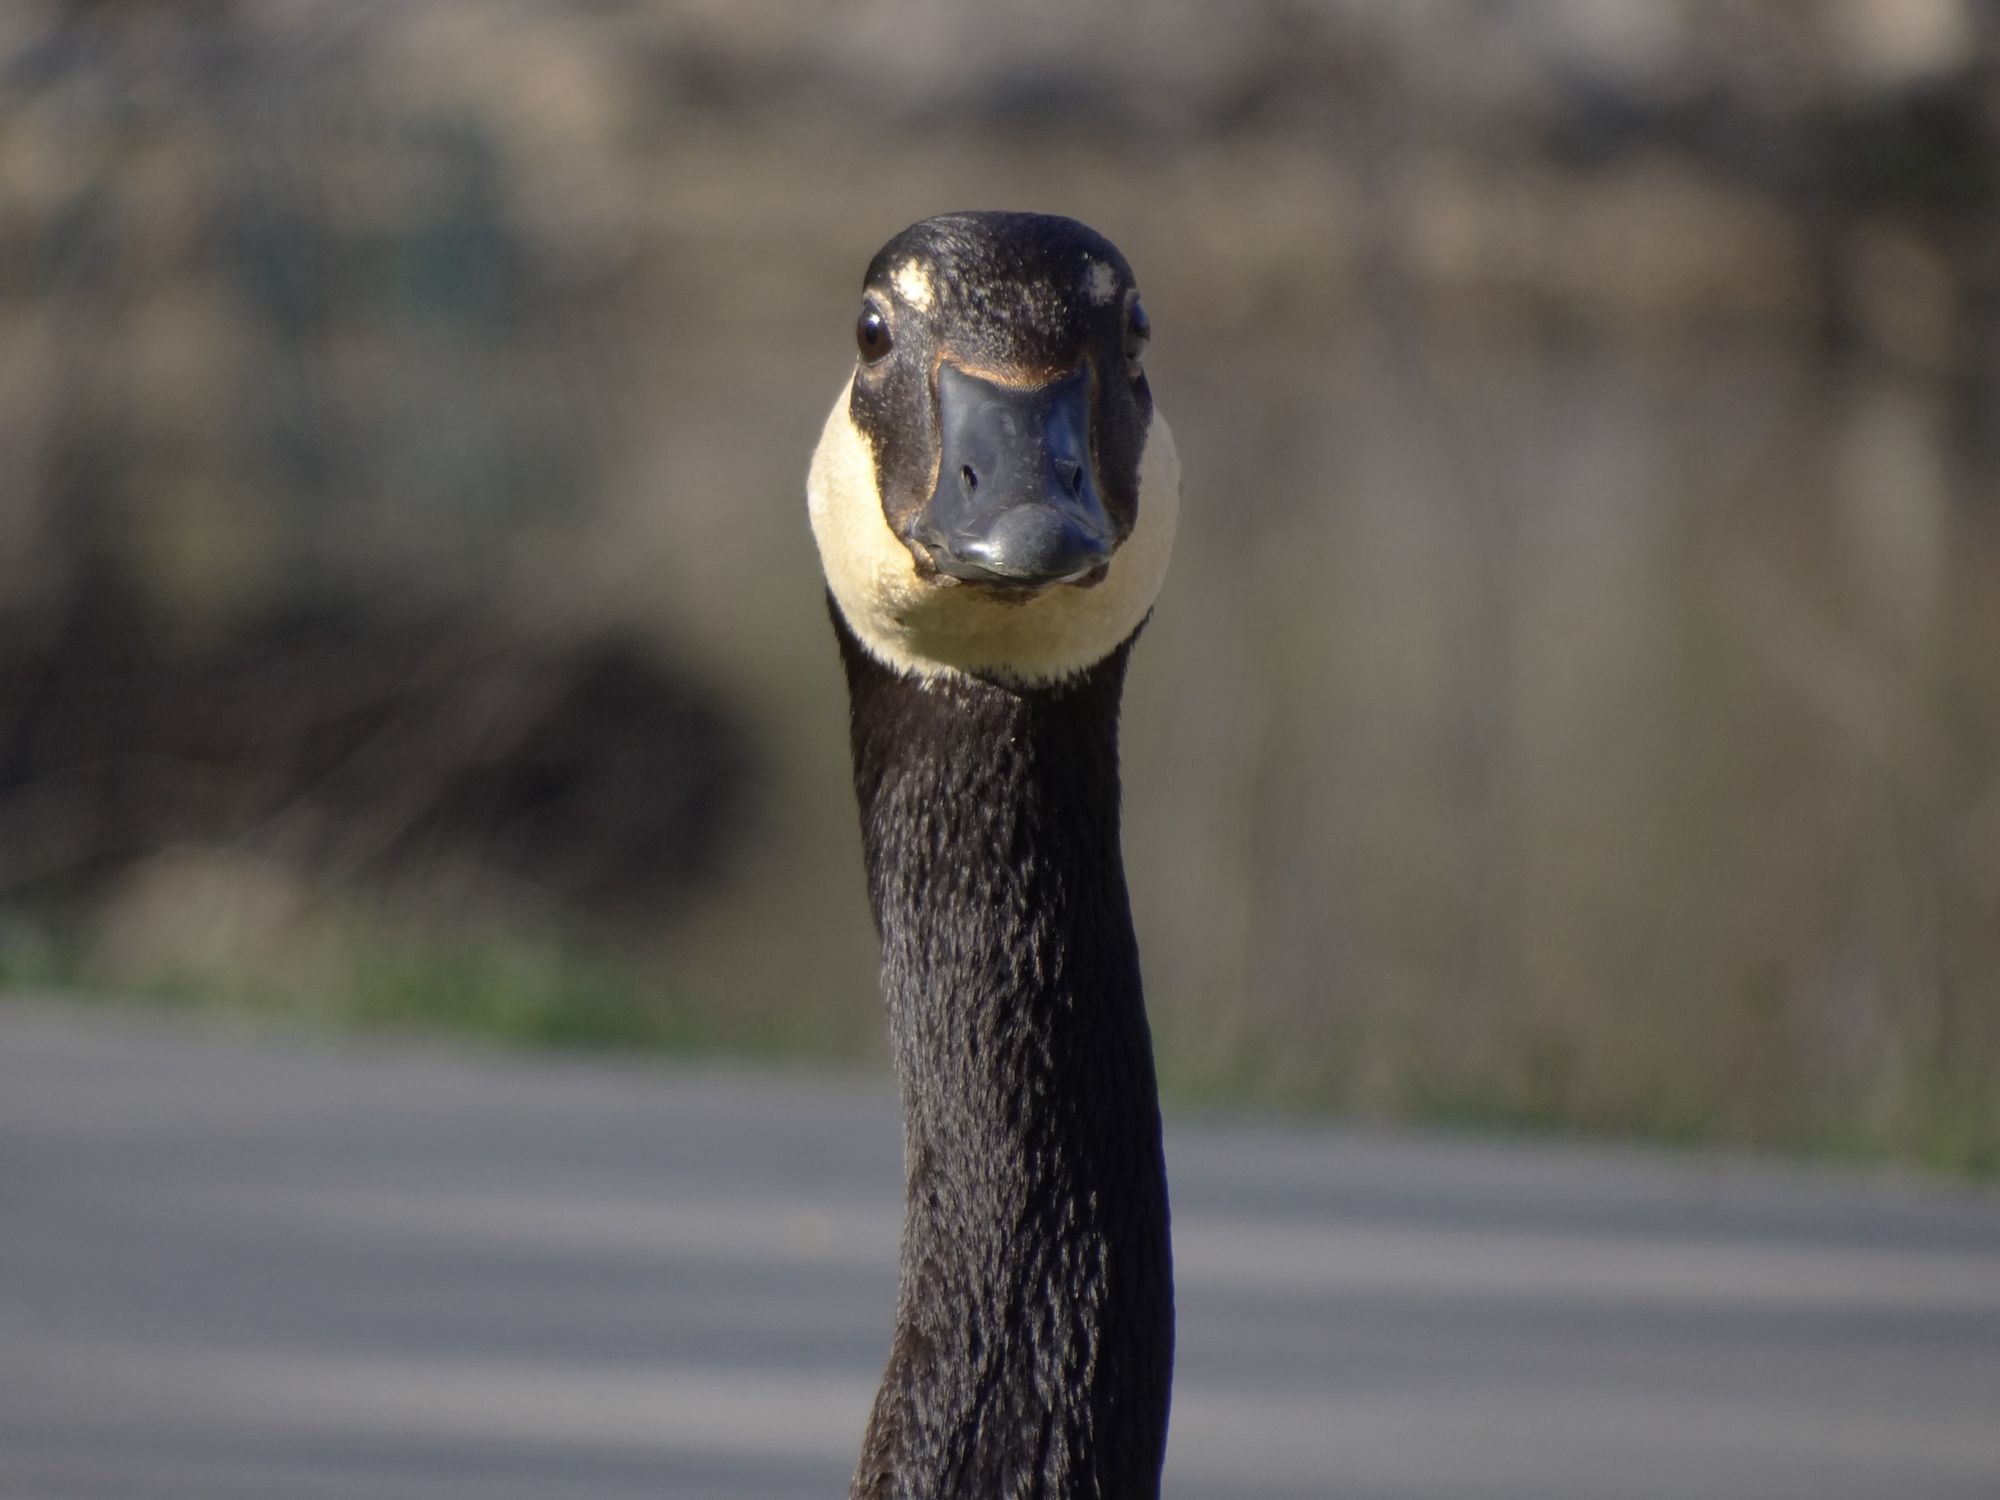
<point>1576,702</point>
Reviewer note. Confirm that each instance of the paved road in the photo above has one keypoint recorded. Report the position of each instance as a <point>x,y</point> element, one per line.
<point>260,1269</point>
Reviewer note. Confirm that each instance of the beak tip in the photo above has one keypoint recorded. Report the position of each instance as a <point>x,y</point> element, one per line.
<point>1023,546</point>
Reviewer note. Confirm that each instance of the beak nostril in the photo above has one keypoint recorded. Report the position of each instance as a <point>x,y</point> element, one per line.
<point>968,478</point>
<point>1072,477</point>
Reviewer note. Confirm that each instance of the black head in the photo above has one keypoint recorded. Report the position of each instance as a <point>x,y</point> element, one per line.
<point>1000,401</point>
<point>1000,385</point>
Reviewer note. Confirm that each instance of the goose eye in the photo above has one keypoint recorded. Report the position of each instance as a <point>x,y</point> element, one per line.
<point>1138,333</point>
<point>871,335</point>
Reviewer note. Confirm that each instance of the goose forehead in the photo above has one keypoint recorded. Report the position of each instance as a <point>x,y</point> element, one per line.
<point>1014,332</point>
<point>951,309</point>
<point>994,274</point>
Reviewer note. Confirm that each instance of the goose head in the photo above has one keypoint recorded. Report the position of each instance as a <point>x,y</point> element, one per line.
<point>994,494</point>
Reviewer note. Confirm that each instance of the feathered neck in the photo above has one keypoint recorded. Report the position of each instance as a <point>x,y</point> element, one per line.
<point>1034,1328</point>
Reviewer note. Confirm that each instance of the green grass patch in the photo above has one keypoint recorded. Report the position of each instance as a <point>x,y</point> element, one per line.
<point>366,970</point>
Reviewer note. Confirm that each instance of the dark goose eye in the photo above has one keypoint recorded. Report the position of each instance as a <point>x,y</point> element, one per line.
<point>1138,333</point>
<point>871,334</point>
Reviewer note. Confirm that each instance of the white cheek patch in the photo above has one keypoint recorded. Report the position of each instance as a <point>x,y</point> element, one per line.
<point>926,628</point>
<point>1100,283</point>
<point>913,284</point>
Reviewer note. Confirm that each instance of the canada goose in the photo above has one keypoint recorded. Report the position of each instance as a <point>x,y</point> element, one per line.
<point>994,500</point>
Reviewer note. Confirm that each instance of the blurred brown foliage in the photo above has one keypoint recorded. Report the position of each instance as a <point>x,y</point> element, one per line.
<point>1575,703</point>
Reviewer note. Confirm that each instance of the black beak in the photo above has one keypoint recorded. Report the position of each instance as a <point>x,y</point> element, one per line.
<point>1016,501</point>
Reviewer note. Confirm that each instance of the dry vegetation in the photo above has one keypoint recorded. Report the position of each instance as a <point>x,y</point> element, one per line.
<point>1575,702</point>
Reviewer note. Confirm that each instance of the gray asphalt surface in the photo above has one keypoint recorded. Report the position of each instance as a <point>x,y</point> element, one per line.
<point>248,1268</point>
